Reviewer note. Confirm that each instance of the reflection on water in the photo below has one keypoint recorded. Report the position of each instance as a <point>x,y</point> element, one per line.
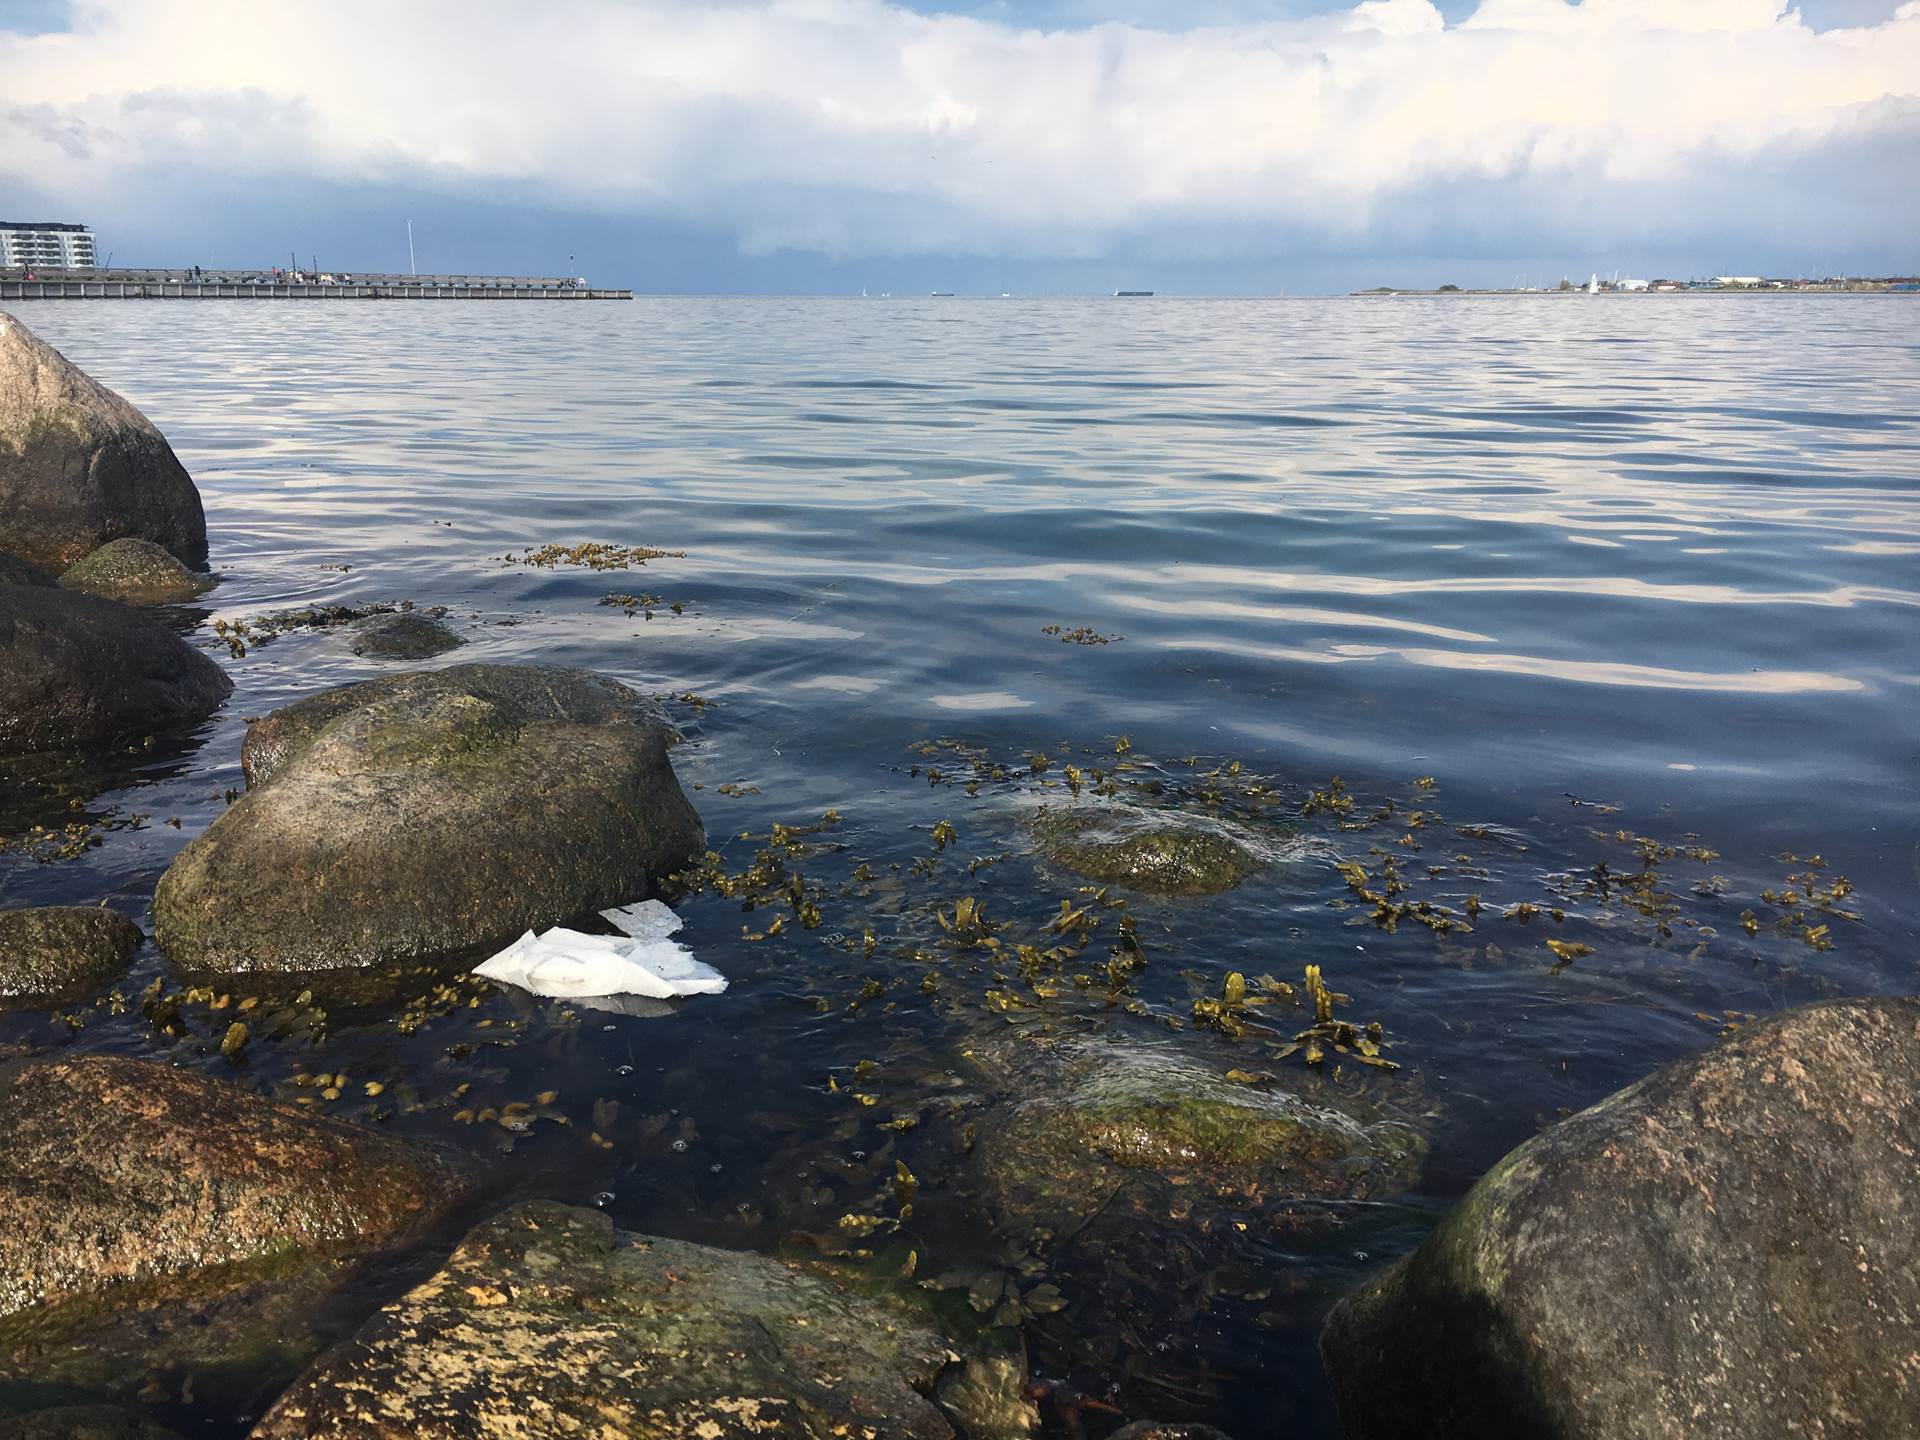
<point>1652,562</point>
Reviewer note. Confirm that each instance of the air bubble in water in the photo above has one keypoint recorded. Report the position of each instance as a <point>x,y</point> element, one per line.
<point>603,1199</point>
<point>623,1069</point>
<point>680,1147</point>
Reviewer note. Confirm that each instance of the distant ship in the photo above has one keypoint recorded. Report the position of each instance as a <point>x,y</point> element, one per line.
<point>1132,294</point>
<point>940,294</point>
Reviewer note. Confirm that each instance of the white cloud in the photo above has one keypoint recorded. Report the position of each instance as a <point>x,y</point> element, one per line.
<point>854,126</point>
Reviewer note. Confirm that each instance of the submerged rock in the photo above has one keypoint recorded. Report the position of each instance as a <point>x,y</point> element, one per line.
<point>1726,1249</point>
<point>135,572</point>
<point>79,466</point>
<point>546,1320</point>
<point>77,671</point>
<point>132,1184</point>
<point>1095,1121</point>
<point>60,954</point>
<point>405,635</point>
<point>427,814</point>
<point>1160,859</point>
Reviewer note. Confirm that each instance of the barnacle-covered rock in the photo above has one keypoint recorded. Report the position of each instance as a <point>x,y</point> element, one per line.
<point>1725,1249</point>
<point>546,1320</point>
<point>60,954</point>
<point>427,814</point>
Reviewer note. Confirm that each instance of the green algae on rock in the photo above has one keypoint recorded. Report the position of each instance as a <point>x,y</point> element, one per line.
<point>405,635</point>
<point>1151,855</point>
<point>129,1183</point>
<point>548,1320</point>
<point>135,572</point>
<point>77,671</point>
<point>426,815</point>
<point>1088,1118</point>
<point>60,954</point>
<point>1725,1249</point>
<point>79,466</point>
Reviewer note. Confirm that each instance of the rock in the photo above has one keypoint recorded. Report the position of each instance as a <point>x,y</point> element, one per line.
<point>60,954</point>
<point>1160,859</point>
<point>426,815</point>
<point>1156,1430</point>
<point>1132,1121</point>
<point>548,1321</point>
<point>407,635</point>
<point>1725,1249</point>
<point>79,466</point>
<point>82,1422</point>
<point>77,671</point>
<point>15,571</point>
<point>173,1240</point>
<point>135,572</point>
<point>128,1182</point>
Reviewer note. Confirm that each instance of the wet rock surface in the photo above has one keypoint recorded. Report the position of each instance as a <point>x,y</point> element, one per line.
<point>407,635</point>
<point>1723,1249</point>
<point>429,814</point>
<point>546,1320</point>
<point>1155,858</point>
<point>82,1422</point>
<point>15,571</point>
<point>131,1183</point>
<point>79,466</point>
<point>60,954</point>
<point>135,572</point>
<point>77,671</point>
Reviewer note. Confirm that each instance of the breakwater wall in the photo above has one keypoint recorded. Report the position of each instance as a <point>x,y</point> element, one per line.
<point>182,285</point>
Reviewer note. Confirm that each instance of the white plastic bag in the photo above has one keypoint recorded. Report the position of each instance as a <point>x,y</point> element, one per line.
<point>572,965</point>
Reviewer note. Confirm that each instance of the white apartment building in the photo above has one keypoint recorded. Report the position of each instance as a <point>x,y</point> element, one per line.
<point>48,244</point>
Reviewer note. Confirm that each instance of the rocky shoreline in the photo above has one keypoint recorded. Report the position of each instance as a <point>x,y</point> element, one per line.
<point>1721,1250</point>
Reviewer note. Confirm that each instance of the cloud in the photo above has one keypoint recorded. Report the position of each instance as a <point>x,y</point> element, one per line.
<point>855,127</point>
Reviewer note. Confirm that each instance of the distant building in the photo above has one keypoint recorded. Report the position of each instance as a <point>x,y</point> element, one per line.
<point>51,244</point>
<point>1738,282</point>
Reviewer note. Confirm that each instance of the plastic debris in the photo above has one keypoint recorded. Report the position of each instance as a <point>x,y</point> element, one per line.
<point>643,962</point>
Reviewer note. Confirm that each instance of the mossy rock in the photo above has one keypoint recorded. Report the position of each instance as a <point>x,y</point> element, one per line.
<point>432,815</point>
<point>1725,1249</point>
<point>78,672</point>
<point>1151,856</point>
<point>547,1320</point>
<point>131,1185</point>
<point>1084,1120</point>
<point>406,635</point>
<point>61,954</point>
<point>135,572</point>
<point>79,466</point>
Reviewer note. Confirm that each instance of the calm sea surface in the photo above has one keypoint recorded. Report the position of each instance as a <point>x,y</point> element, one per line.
<point>1614,575</point>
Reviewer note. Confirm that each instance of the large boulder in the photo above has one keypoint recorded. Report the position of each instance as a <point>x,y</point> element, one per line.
<point>77,671</point>
<point>548,1321</point>
<point>429,814</point>
<point>1726,1249</point>
<point>133,1185</point>
<point>1155,855</point>
<point>79,466</point>
<point>406,635</point>
<point>136,572</point>
<point>60,954</point>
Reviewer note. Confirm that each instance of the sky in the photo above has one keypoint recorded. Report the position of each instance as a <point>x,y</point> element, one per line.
<point>1033,146</point>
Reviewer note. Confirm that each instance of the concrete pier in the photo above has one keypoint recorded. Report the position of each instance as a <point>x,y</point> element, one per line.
<point>263,285</point>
